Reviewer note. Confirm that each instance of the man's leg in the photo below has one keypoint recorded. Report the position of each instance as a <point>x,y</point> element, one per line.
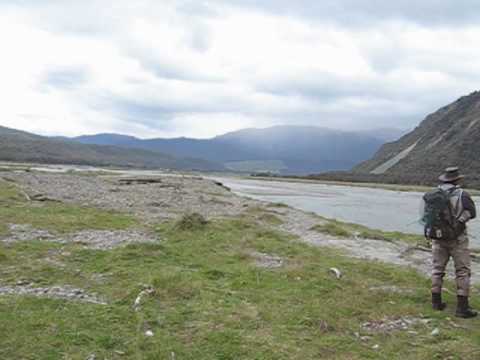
<point>440,256</point>
<point>461,258</point>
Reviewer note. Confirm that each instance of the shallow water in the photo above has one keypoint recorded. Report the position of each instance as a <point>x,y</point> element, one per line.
<point>375,208</point>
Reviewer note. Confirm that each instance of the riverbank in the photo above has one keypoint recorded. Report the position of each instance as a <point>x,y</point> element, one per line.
<point>246,283</point>
<point>369,185</point>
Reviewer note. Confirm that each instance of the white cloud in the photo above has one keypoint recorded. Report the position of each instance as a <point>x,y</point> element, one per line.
<point>199,69</point>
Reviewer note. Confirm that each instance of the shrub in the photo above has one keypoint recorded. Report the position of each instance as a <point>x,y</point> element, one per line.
<point>191,221</point>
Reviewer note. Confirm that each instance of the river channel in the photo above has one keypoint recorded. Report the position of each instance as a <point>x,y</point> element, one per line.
<point>376,208</point>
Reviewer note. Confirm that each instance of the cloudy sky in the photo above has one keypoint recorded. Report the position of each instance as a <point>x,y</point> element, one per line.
<point>201,68</point>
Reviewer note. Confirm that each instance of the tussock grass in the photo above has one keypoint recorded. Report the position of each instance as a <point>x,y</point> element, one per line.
<point>191,221</point>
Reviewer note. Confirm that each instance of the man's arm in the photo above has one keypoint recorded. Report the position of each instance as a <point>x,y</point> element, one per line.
<point>469,210</point>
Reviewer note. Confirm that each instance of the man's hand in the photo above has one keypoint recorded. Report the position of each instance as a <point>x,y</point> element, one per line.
<point>460,227</point>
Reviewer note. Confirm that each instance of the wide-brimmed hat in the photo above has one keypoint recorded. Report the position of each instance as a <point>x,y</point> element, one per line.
<point>451,174</point>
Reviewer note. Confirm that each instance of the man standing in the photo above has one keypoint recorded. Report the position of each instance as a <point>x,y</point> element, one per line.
<point>451,240</point>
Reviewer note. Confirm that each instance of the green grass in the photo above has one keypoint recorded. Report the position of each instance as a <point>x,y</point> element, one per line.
<point>212,302</point>
<point>54,216</point>
<point>263,215</point>
<point>348,230</point>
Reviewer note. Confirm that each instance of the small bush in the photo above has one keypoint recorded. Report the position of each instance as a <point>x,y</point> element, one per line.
<point>191,221</point>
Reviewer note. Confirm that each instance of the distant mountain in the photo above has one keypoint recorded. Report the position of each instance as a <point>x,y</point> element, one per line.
<point>449,136</point>
<point>279,149</point>
<point>25,147</point>
<point>385,134</point>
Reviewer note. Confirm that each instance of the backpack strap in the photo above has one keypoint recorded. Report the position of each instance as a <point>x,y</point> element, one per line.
<point>449,194</point>
<point>459,202</point>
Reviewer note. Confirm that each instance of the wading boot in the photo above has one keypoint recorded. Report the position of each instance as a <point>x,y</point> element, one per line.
<point>463,310</point>
<point>437,303</point>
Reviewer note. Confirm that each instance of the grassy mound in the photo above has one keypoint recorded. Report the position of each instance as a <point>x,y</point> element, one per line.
<point>191,221</point>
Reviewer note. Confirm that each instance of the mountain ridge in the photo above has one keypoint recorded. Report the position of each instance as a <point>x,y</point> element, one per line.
<point>278,148</point>
<point>21,146</point>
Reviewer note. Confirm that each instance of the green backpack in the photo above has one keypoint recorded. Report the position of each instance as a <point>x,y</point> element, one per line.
<point>438,218</point>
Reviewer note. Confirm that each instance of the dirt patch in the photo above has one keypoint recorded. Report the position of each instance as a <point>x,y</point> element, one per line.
<point>25,232</point>
<point>105,240</point>
<point>267,261</point>
<point>392,289</point>
<point>92,239</point>
<point>55,292</point>
<point>388,325</point>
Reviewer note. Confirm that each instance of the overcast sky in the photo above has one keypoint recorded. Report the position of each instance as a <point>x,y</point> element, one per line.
<point>201,68</point>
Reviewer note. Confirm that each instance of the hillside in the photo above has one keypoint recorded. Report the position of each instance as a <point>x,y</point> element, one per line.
<point>25,147</point>
<point>279,149</point>
<point>449,136</point>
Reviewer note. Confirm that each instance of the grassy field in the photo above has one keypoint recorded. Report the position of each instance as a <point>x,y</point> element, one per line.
<point>212,299</point>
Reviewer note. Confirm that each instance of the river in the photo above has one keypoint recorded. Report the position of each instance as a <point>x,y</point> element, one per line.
<point>376,208</point>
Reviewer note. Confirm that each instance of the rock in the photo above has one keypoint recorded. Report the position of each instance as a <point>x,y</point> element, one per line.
<point>148,291</point>
<point>139,181</point>
<point>218,183</point>
<point>338,274</point>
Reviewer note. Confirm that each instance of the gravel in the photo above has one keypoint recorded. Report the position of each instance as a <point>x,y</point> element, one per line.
<point>387,325</point>
<point>25,232</point>
<point>105,240</point>
<point>152,202</point>
<point>267,261</point>
<point>55,292</point>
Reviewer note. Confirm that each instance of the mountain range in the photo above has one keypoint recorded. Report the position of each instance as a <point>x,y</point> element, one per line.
<point>278,149</point>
